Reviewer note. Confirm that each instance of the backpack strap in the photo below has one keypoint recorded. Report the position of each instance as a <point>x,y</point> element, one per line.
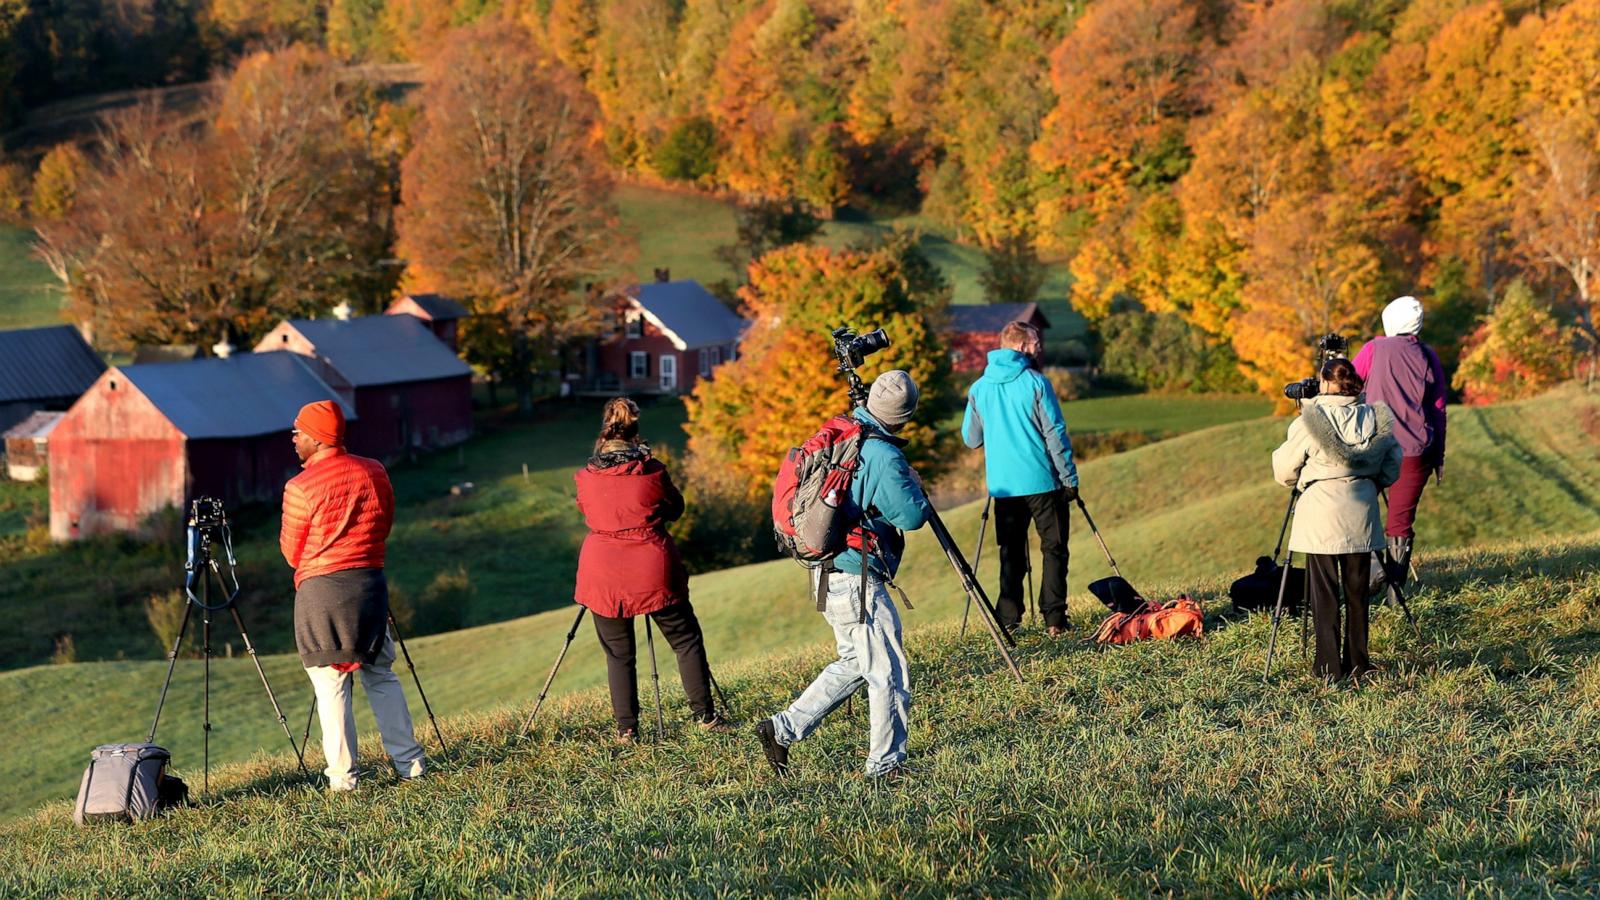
<point>823,571</point>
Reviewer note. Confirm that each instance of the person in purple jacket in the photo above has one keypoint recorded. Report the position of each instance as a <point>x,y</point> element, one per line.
<point>1405,374</point>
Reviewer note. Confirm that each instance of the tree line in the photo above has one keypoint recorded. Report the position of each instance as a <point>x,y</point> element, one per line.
<point>1228,178</point>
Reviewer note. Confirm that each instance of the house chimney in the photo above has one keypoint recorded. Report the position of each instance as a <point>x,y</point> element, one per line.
<point>663,275</point>
<point>342,311</point>
<point>222,349</point>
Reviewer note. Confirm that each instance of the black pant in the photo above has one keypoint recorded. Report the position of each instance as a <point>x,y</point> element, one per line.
<point>1325,574</point>
<point>682,631</point>
<point>1049,514</point>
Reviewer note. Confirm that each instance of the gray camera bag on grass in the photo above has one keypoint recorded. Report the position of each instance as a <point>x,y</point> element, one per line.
<point>127,783</point>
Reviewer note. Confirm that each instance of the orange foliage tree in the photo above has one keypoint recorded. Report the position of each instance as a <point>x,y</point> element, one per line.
<point>506,197</point>
<point>1519,350</point>
<point>784,384</point>
<point>185,235</point>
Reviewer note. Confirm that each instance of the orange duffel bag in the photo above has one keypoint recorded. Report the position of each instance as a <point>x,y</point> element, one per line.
<point>1174,618</point>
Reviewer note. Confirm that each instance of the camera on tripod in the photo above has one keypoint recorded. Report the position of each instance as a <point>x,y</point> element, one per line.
<point>852,349</point>
<point>1330,346</point>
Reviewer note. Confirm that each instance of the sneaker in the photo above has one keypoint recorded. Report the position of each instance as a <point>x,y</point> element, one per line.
<point>716,725</point>
<point>891,777</point>
<point>777,754</point>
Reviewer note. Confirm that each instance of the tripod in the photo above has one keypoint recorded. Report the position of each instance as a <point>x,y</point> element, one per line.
<point>1283,585</point>
<point>208,525</point>
<point>655,674</point>
<point>394,627</point>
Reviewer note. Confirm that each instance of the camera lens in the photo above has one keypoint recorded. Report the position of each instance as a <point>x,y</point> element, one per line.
<point>872,342</point>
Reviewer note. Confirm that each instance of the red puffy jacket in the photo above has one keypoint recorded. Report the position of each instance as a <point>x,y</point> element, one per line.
<point>629,566</point>
<point>336,515</point>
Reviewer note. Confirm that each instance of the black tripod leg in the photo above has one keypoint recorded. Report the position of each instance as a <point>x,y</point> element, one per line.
<point>172,663</point>
<point>305,741</point>
<point>572,632</point>
<point>395,627</point>
<point>722,698</point>
<point>1033,599</point>
<point>1277,613</point>
<point>205,629</point>
<point>277,710</point>
<point>655,676</point>
<point>977,559</point>
<point>975,592</point>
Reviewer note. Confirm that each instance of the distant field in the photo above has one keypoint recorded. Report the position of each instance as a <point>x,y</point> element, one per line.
<point>1162,414</point>
<point>28,293</point>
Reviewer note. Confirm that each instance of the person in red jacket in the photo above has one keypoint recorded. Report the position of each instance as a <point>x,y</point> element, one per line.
<point>629,567</point>
<point>336,519</point>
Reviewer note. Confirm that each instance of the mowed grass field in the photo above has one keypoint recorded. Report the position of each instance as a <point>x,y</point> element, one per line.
<point>1190,513</point>
<point>1465,768</point>
<point>29,294</point>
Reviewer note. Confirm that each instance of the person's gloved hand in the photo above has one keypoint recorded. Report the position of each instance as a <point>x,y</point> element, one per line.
<point>1070,493</point>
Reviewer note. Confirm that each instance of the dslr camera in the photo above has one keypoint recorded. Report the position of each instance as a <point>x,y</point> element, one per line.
<point>1330,346</point>
<point>852,349</point>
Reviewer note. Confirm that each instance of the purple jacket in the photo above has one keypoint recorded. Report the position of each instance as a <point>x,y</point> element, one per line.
<point>1404,374</point>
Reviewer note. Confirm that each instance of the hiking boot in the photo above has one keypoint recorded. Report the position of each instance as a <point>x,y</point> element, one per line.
<point>627,736</point>
<point>777,754</point>
<point>716,725</point>
<point>1397,561</point>
<point>1059,630</point>
<point>891,777</point>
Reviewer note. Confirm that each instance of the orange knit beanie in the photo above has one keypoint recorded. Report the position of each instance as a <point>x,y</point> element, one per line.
<point>323,421</point>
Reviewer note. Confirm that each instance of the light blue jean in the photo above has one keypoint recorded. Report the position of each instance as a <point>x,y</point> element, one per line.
<point>870,652</point>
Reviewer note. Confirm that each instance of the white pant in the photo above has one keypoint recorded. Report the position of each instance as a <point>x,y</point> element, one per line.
<point>337,716</point>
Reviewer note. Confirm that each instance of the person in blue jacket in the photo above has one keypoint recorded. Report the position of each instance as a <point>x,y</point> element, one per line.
<point>1013,414</point>
<point>867,634</point>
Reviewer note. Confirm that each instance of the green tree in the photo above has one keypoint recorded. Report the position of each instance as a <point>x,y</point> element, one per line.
<point>1520,349</point>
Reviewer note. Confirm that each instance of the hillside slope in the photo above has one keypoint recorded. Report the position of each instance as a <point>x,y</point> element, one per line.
<point>1193,510</point>
<point>1468,766</point>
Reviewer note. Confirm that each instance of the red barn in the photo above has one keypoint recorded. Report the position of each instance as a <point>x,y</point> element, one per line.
<point>147,437</point>
<point>441,314</point>
<point>663,338</point>
<point>974,330</point>
<point>409,391</point>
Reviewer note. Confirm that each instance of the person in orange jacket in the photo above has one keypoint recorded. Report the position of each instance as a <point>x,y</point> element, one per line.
<point>336,519</point>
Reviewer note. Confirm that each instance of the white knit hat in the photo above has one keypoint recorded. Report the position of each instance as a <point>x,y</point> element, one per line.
<point>1403,316</point>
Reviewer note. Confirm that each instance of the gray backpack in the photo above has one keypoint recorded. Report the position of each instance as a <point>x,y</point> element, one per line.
<point>127,783</point>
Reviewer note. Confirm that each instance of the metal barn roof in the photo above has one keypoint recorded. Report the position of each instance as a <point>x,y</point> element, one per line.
<point>246,395</point>
<point>990,318</point>
<point>46,363</point>
<point>438,307</point>
<point>690,312</point>
<point>377,350</point>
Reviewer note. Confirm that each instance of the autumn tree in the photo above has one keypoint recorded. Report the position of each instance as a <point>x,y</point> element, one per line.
<point>188,235</point>
<point>506,197</point>
<point>1519,350</point>
<point>1012,271</point>
<point>784,383</point>
<point>55,185</point>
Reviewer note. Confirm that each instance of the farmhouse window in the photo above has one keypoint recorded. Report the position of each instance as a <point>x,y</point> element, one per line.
<point>705,362</point>
<point>635,325</point>
<point>638,364</point>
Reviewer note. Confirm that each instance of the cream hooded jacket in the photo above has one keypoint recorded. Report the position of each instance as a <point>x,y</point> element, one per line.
<point>1340,452</point>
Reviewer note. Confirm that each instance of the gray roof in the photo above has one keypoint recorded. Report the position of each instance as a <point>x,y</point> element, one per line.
<point>245,395</point>
<point>990,318</point>
<point>46,363</point>
<point>691,312</point>
<point>38,425</point>
<point>439,307</point>
<point>376,350</point>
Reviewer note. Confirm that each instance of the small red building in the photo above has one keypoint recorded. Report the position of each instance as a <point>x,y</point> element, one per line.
<point>662,338</point>
<point>144,438</point>
<point>441,314</point>
<point>974,329</point>
<point>409,391</point>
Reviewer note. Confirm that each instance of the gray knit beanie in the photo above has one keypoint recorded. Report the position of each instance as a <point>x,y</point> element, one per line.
<point>893,398</point>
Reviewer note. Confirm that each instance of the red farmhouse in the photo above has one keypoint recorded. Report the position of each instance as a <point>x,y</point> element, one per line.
<point>974,330</point>
<point>441,314</point>
<point>147,437</point>
<point>663,338</point>
<point>409,391</point>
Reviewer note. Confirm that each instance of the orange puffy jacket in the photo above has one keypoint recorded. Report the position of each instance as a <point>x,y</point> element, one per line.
<point>336,515</point>
<point>1175,618</point>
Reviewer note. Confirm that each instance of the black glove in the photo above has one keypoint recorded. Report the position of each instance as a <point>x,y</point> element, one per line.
<point>1070,493</point>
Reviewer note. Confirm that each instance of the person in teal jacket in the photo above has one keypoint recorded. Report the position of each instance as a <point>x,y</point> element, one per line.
<point>867,633</point>
<point>1014,416</point>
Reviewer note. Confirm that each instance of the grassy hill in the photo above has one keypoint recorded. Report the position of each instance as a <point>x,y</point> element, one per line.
<point>1191,511</point>
<point>1466,767</point>
<point>28,293</point>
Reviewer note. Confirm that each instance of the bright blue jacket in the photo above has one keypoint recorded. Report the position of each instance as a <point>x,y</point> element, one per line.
<point>1012,413</point>
<point>885,487</point>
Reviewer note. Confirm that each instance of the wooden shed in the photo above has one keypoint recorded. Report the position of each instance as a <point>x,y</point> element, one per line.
<point>27,446</point>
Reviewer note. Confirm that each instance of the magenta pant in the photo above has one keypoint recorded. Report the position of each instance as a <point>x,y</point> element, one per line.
<point>1404,494</point>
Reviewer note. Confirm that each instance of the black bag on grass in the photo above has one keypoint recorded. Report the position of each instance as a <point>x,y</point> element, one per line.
<point>1258,591</point>
<point>128,783</point>
<point>1117,594</point>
